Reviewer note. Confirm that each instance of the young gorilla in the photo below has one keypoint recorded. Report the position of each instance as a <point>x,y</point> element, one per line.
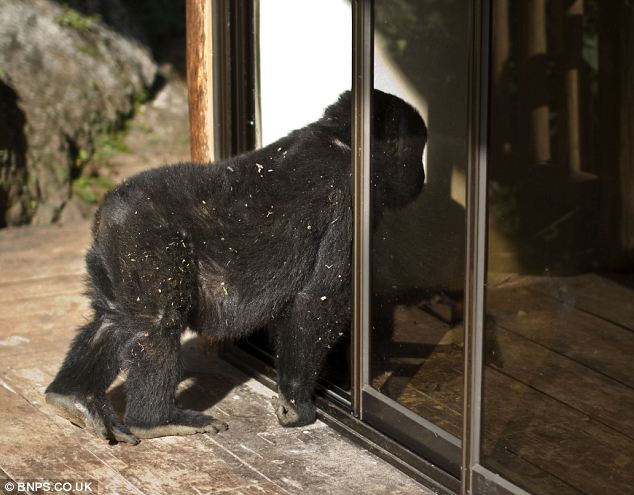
<point>260,239</point>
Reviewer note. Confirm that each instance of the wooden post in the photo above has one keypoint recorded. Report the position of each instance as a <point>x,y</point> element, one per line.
<point>574,48</point>
<point>200,79</point>
<point>502,105</point>
<point>536,83</point>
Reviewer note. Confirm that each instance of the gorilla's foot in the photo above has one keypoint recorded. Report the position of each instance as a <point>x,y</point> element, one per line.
<point>184,422</point>
<point>290,413</point>
<point>86,413</point>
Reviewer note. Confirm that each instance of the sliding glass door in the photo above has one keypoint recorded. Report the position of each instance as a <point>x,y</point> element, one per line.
<point>414,355</point>
<point>553,292</point>
<point>559,404</point>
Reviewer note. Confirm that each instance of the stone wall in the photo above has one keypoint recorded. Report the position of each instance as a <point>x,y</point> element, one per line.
<point>65,78</point>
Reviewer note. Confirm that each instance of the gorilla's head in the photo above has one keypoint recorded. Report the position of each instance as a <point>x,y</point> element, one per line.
<point>399,136</point>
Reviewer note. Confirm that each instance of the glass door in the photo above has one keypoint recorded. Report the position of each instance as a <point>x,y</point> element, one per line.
<point>410,151</point>
<point>413,387</point>
<point>297,73</point>
<point>559,404</point>
<point>554,285</point>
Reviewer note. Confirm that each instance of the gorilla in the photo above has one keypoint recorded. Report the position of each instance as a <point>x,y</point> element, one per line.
<point>258,240</point>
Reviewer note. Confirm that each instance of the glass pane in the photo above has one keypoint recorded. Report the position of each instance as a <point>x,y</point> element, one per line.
<point>559,373</point>
<point>421,55</point>
<point>302,69</point>
<point>301,72</point>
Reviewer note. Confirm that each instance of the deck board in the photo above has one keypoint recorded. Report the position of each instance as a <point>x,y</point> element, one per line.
<point>435,391</point>
<point>608,299</point>
<point>599,344</point>
<point>603,399</point>
<point>554,437</point>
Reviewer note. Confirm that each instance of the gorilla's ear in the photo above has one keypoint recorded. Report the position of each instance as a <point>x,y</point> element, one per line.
<point>337,119</point>
<point>341,110</point>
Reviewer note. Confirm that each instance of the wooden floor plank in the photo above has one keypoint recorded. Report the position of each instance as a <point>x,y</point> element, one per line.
<point>429,385</point>
<point>258,456</point>
<point>435,391</point>
<point>527,475</point>
<point>554,437</point>
<point>24,267</point>
<point>591,292</point>
<point>72,283</point>
<point>598,344</point>
<point>565,380</point>
<point>40,252</point>
<point>34,447</point>
<point>27,325</point>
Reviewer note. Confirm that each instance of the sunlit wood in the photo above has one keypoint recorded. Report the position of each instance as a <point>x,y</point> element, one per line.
<point>200,79</point>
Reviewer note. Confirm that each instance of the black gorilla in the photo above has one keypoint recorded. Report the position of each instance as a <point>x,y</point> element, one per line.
<point>262,239</point>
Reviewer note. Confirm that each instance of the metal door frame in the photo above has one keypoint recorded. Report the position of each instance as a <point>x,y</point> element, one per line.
<point>413,431</point>
<point>475,477</point>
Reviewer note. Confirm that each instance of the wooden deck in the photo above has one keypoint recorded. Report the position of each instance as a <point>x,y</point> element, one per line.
<point>559,394</point>
<point>559,400</point>
<point>42,304</point>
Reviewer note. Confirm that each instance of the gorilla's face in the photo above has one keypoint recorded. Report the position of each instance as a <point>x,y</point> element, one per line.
<point>399,137</point>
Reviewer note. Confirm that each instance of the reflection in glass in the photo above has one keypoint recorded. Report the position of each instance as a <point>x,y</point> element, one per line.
<point>559,399</point>
<point>420,53</point>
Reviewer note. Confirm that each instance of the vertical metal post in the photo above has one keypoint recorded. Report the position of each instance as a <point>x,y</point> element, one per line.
<point>362,82</point>
<point>257,104</point>
<point>223,91</point>
<point>243,65</point>
<point>200,79</point>
<point>235,79</point>
<point>476,242</point>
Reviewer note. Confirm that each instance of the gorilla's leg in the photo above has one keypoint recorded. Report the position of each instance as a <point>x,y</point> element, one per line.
<point>304,338</point>
<point>78,392</point>
<point>153,362</point>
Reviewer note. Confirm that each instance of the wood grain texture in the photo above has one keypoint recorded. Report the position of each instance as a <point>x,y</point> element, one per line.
<point>558,404</point>
<point>559,440</point>
<point>200,79</point>
<point>600,296</point>
<point>580,336</point>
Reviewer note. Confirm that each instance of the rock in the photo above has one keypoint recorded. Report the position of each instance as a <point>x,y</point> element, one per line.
<point>14,196</point>
<point>64,79</point>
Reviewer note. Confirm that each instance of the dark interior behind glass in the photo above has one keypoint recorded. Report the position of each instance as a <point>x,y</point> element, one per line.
<point>559,401</point>
<point>417,256</point>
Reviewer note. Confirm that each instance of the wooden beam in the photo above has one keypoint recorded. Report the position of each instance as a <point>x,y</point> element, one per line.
<point>537,82</point>
<point>574,53</point>
<point>200,79</point>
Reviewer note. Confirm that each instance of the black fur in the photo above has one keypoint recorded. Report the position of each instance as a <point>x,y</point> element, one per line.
<point>255,240</point>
